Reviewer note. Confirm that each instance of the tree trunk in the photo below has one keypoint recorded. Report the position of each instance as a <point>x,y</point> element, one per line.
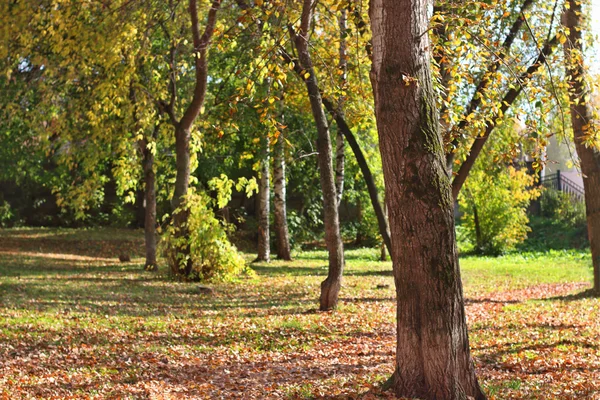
<point>182,181</point>
<point>339,138</point>
<point>183,128</point>
<point>279,201</point>
<point>149,208</point>
<point>339,167</point>
<point>382,221</point>
<point>433,360</point>
<point>264,194</point>
<point>360,158</point>
<point>581,121</point>
<point>330,288</point>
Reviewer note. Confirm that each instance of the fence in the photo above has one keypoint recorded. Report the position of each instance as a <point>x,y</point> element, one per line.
<point>563,184</point>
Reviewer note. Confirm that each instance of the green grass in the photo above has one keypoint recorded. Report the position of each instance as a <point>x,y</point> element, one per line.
<point>74,321</point>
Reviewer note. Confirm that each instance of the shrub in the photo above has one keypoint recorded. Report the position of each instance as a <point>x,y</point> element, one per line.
<point>6,214</point>
<point>213,256</point>
<point>563,207</point>
<point>495,204</point>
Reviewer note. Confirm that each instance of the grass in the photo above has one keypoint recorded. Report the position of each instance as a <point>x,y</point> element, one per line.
<point>74,321</point>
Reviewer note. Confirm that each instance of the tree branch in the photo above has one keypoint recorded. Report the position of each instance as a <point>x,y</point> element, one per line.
<point>506,102</point>
<point>201,44</point>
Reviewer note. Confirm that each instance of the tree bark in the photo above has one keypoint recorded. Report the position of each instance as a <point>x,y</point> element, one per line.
<point>264,194</point>
<point>279,201</point>
<point>149,207</point>
<point>433,360</point>
<point>331,286</point>
<point>581,121</point>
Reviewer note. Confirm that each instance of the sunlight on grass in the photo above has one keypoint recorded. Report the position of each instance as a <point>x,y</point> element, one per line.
<point>79,322</point>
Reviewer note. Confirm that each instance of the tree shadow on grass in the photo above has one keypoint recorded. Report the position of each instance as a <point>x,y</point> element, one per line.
<point>586,294</point>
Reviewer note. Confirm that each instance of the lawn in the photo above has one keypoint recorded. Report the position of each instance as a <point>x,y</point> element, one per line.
<point>77,323</point>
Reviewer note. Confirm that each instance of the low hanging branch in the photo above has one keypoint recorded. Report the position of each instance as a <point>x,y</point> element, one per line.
<point>343,126</point>
<point>507,101</point>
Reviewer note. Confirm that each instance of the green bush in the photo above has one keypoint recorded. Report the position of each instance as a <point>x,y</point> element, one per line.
<point>6,214</point>
<point>495,204</point>
<point>213,256</point>
<point>563,207</point>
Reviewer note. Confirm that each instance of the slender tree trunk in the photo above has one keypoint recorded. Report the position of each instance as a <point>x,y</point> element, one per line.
<point>279,201</point>
<point>433,360</point>
<point>330,288</point>
<point>339,167</point>
<point>181,214</point>
<point>149,208</point>
<point>360,158</point>
<point>581,121</point>
<point>339,138</point>
<point>201,42</point>
<point>382,221</point>
<point>383,245</point>
<point>264,194</point>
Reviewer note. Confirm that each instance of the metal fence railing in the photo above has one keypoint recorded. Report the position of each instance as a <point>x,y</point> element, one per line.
<point>563,184</point>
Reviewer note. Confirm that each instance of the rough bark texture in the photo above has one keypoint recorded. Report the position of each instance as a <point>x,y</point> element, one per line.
<point>149,207</point>
<point>433,360</point>
<point>264,194</point>
<point>507,101</point>
<point>581,116</point>
<point>279,201</point>
<point>331,286</point>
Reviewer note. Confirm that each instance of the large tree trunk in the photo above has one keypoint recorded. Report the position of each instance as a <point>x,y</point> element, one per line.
<point>264,194</point>
<point>433,360</point>
<point>279,201</point>
<point>331,286</point>
<point>581,118</point>
<point>149,207</point>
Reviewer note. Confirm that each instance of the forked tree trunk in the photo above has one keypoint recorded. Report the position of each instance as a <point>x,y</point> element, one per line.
<point>149,207</point>
<point>581,118</point>
<point>201,42</point>
<point>433,360</point>
<point>264,194</point>
<point>279,201</point>
<point>331,286</point>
